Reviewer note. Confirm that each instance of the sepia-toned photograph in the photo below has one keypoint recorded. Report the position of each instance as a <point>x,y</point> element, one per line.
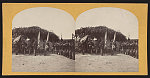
<point>43,41</point>
<point>106,41</point>
<point>46,39</point>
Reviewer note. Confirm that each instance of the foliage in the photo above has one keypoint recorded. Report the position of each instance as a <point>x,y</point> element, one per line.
<point>99,33</point>
<point>32,33</point>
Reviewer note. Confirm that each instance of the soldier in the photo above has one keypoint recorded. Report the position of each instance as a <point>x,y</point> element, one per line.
<point>35,44</point>
<point>72,49</point>
<point>55,48</point>
<point>118,46</point>
<point>50,45</point>
<point>132,50</point>
<point>22,46</point>
<point>101,47</point>
<point>126,48</point>
<point>90,46</point>
<point>96,46</point>
<point>136,48</point>
<point>84,47</point>
<point>129,49</point>
<point>18,46</point>
<point>64,50</point>
<point>29,46</point>
<point>46,49</point>
<point>69,50</point>
<point>122,48</point>
<point>61,48</point>
<point>113,48</point>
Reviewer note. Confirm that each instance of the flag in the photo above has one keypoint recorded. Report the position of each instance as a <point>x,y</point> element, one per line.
<point>73,36</point>
<point>84,38</point>
<point>27,39</point>
<point>17,39</point>
<point>114,37</point>
<point>39,38</point>
<point>47,37</point>
<point>95,39</point>
<point>105,39</point>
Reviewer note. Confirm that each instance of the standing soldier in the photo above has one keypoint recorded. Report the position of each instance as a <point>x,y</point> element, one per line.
<point>46,48</point>
<point>35,44</point>
<point>132,52</point>
<point>96,46</point>
<point>29,46</point>
<point>90,46</point>
<point>121,48</point>
<point>113,48</point>
<point>129,48</point>
<point>50,45</point>
<point>118,46</point>
<point>23,45</point>
<point>102,47</point>
<point>69,50</point>
<point>18,45</point>
<point>84,47</point>
<point>126,47</point>
<point>108,47</point>
<point>55,48</point>
<point>65,52</point>
<point>136,49</point>
<point>61,48</point>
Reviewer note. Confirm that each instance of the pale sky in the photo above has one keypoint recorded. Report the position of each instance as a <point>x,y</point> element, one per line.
<point>114,18</point>
<point>47,18</point>
<point>63,23</point>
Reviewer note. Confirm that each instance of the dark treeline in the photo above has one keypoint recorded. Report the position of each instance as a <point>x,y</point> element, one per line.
<point>99,32</point>
<point>32,33</point>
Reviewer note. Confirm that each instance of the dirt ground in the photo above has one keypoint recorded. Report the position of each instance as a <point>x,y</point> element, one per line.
<point>52,63</point>
<point>83,63</point>
<point>98,63</point>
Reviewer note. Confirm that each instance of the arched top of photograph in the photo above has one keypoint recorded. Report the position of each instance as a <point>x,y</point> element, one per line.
<point>50,19</point>
<point>117,19</point>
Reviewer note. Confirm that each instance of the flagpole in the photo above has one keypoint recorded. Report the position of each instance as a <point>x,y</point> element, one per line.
<point>105,39</point>
<point>114,37</point>
<point>39,38</point>
<point>38,43</point>
<point>47,37</point>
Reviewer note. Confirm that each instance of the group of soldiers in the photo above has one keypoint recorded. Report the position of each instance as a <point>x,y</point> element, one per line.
<point>95,47</point>
<point>91,46</point>
<point>130,48</point>
<point>65,49</point>
<point>24,46</point>
<point>31,47</point>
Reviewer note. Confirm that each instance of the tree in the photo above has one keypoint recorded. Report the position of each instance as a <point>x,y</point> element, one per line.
<point>32,33</point>
<point>99,33</point>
